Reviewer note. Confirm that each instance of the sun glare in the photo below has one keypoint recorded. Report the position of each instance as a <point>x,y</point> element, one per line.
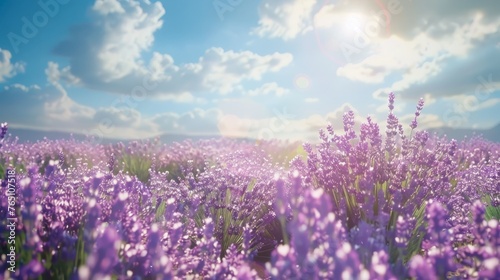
<point>353,22</point>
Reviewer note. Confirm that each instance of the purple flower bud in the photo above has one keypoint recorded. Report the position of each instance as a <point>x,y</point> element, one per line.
<point>348,120</point>
<point>391,100</point>
<point>420,106</point>
<point>414,123</point>
<point>3,130</point>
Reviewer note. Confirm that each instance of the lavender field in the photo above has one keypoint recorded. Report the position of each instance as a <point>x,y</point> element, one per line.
<point>367,204</point>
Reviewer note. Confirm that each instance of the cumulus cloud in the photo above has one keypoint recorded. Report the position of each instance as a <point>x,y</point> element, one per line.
<point>29,98</point>
<point>406,18</point>
<point>63,110</point>
<point>440,60</point>
<point>285,19</point>
<point>421,57</point>
<point>42,107</point>
<point>54,74</point>
<point>456,76</point>
<point>107,55</point>
<point>108,7</point>
<point>289,19</point>
<point>7,68</point>
<point>109,48</point>
<point>51,108</point>
<point>221,71</point>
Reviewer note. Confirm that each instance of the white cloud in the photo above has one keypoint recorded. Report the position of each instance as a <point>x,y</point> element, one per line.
<point>430,49</point>
<point>7,68</point>
<point>419,57</point>
<point>51,108</point>
<point>54,74</point>
<point>21,87</point>
<point>487,104</point>
<point>221,71</point>
<point>423,62</point>
<point>125,34</point>
<point>325,17</point>
<point>63,110</point>
<point>445,52</point>
<point>106,7</point>
<point>289,19</point>
<point>429,99</point>
<point>471,103</point>
<point>66,112</point>
<point>39,105</point>
<point>109,48</point>
<point>285,19</point>
<point>161,65</point>
<point>106,55</point>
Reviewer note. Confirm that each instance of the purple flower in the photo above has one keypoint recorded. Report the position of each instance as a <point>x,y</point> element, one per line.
<point>380,267</point>
<point>420,106</point>
<point>420,269</point>
<point>392,96</point>
<point>104,258</point>
<point>3,130</point>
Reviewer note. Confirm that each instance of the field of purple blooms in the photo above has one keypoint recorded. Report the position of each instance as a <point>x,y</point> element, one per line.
<point>359,205</point>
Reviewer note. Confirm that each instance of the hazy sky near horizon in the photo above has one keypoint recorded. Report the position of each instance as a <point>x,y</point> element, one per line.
<point>262,69</point>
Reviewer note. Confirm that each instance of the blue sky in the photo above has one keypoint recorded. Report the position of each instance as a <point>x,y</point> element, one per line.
<point>262,69</point>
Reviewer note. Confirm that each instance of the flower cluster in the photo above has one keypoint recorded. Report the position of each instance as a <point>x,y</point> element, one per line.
<point>359,205</point>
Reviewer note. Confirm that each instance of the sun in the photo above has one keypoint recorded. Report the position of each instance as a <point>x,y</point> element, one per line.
<point>353,22</point>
